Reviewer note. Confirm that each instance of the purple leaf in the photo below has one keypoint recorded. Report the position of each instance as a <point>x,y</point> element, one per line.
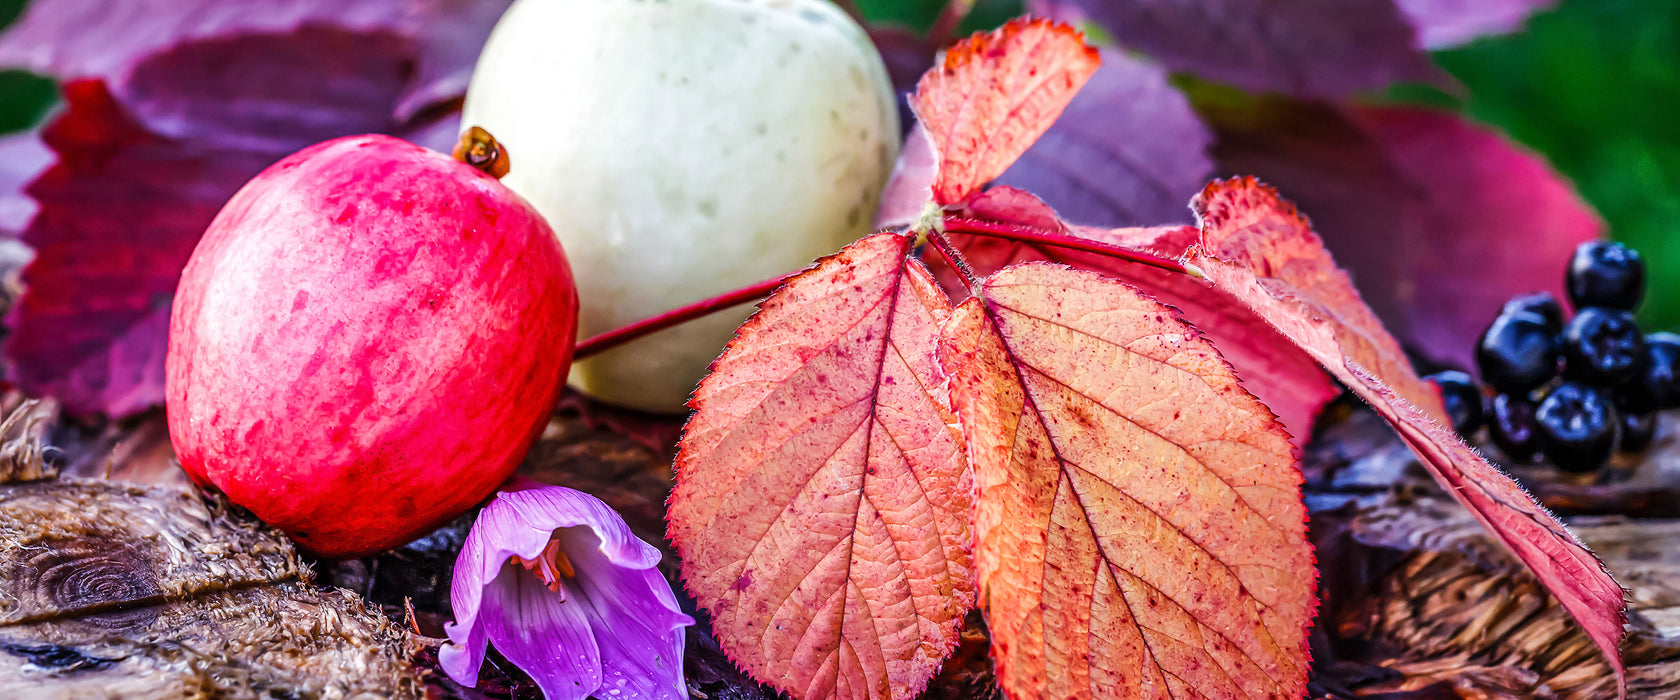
<point>1438,220</point>
<point>271,93</point>
<point>1128,151</point>
<point>71,39</point>
<point>22,158</point>
<point>1444,23</point>
<point>1304,47</point>
<point>907,56</point>
<point>135,186</point>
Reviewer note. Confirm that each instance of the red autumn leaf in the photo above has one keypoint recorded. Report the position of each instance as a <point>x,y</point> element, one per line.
<point>1140,531</point>
<point>1422,207</point>
<point>1245,226</point>
<point>124,205</point>
<point>1271,366</point>
<point>1127,151</point>
<point>993,95</point>
<point>1258,248</point>
<point>822,500</point>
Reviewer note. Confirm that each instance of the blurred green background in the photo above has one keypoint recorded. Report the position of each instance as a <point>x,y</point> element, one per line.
<point>24,98</point>
<point>1594,85</point>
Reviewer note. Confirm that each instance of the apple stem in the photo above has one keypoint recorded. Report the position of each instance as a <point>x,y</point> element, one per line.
<point>480,150</point>
<point>648,326</point>
<point>1033,234</point>
<point>937,239</point>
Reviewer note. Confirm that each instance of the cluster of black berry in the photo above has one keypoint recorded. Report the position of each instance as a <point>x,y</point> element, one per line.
<point>1574,391</point>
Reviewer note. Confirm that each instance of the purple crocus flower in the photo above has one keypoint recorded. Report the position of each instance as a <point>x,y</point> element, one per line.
<point>555,579</point>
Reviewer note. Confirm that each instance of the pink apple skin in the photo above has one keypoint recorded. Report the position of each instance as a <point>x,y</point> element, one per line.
<point>366,342</point>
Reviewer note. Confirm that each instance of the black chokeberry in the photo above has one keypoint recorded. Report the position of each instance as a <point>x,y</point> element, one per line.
<point>1657,388</point>
<point>1463,399</point>
<point>1511,425</point>
<point>1517,353</point>
<point>1604,274</point>
<point>1603,347</point>
<point>1577,427</point>
<point>1542,303</point>
<point>1637,431</point>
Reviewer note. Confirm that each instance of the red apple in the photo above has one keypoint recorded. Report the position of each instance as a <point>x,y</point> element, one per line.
<point>366,342</point>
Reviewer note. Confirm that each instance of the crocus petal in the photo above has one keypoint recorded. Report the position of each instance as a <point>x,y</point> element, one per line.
<point>544,634</point>
<point>464,653</point>
<point>617,620</point>
<point>634,615</point>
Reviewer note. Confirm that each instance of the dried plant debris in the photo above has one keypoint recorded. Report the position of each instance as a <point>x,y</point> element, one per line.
<point>25,454</point>
<point>37,441</point>
<point>1419,598</point>
<point>1418,601</point>
<point>134,450</point>
<point>113,590</point>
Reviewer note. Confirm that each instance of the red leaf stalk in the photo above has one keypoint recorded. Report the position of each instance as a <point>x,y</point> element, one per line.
<point>1033,234</point>
<point>648,326</point>
<point>937,239</point>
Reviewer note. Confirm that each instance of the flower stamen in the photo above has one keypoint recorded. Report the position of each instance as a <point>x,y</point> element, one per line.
<point>551,566</point>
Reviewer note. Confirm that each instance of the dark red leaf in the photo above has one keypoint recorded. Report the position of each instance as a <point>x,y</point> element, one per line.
<point>1128,151</point>
<point>72,39</point>
<point>1271,366</point>
<point>993,95</point>
<point>1304,47</point>
<point>1440,221</point>
<point>124,206</point>
<point>119,215</point>
<point>1260,250</point>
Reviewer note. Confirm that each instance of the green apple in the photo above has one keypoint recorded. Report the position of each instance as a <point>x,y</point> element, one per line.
<point>681,149</point>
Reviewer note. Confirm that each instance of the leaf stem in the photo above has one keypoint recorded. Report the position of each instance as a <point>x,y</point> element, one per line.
<point>1033,234</point>
<point>648,326</point>
<point>937,239</point>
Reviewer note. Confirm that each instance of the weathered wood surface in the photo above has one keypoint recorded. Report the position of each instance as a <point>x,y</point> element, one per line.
<point>1418,601</point>
<point>113,590</point>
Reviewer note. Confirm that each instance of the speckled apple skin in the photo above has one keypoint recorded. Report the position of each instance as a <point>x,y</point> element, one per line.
<point>366,342</point>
